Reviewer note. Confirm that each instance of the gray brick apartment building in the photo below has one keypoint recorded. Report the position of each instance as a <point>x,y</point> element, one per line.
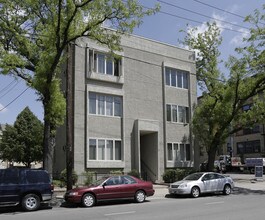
<point>132,111</point>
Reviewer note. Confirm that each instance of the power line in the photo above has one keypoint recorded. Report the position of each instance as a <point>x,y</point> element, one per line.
<point>195,21</point>
<point>3,89</point>
<point>14,99</point>
<point>220,9</point>
<point>9,90</point>
<point>194,12</point>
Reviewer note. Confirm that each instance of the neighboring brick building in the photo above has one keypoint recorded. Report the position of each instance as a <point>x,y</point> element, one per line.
<point>131,112</point>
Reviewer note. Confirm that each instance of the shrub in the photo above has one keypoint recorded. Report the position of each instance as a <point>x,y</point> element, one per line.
<point>134,173</point>
<point>88,177</point>
<point>169,176</point>
<point>116,172</point>
<point>64,180</point>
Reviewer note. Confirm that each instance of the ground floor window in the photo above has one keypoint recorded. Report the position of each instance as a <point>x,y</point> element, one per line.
<point>178,152</point>
<point>248,147</point>
<point>104,149</point>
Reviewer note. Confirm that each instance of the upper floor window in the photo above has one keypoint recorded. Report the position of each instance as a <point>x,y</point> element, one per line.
<point>176,78</point>
<point>108,105</point>
<point>104,63</point>
<point>177,113</point>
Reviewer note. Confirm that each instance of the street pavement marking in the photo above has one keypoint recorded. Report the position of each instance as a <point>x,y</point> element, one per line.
<point>214,203</point>
<point>120,213</point>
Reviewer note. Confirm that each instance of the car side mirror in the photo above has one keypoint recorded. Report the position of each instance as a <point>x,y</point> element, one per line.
<point>104,184</point>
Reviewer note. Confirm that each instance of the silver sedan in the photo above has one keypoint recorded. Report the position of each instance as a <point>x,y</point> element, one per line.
<point>203,182</point>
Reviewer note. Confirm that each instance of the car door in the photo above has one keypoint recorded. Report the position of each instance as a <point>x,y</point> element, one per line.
<point>9,187</point>
<point>209,183</point>
<point>129,187</point>
<point>111,189</point>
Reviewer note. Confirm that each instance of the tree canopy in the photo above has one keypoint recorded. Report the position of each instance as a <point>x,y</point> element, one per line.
<point>22,142</point>
<point>35,35</point>
<point>220,110</point>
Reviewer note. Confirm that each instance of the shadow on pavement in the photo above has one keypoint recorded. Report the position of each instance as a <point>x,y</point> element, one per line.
<point>245,191</point>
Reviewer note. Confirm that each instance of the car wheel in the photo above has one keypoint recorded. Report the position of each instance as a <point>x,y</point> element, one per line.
<point>140,196</point>
<point>227,189</point>
<point>195,191</point>
<point>30,202</point>
<point>88,200</point>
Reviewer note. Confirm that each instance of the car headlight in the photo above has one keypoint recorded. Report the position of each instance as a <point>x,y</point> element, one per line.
<point>73,193</point>
<point>184,185</point>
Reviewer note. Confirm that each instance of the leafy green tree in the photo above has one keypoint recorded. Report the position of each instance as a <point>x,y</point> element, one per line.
<point>35,35</point>
<point>220,109</point>
<point>22,142</point>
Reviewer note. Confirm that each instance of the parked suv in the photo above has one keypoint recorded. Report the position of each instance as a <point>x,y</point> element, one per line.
<point>27,187</point>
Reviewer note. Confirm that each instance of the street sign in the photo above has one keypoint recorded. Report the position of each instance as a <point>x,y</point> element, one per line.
<point>259,172</point>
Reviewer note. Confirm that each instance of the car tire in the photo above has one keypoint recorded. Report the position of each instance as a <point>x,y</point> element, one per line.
<point>88,200</point>
<point>140,196</point>
<point>30,202</point>
<point>195,191</point>
<point>227,189</point>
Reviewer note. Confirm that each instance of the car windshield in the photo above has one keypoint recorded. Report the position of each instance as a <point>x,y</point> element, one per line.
<point>194,176</point>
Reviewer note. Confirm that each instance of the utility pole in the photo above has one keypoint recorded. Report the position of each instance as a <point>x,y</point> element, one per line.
<point>69,117</point>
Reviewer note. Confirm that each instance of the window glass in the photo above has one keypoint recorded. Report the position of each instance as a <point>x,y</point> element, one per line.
<point>117,150</point>
<point>179,77</point>
<point>168,112</point>
<point>92,103</point>
<point>92,149</point>
<point>109,105</point>
<point>109,152</point>
<point>187,113</point>
<point>117,106</point>
<point>187,152</point>
<point>167,77</point>
<point>101,149</point>
<point>185,80</point>
<point>116,67</point>
<point>182,152</point>
<point>176,152</point>
<point>173,78</point>
<point>10,176</point>
<point>174,113</point>
<point>109,66</point>
<point>181,111</point>
<point>169,151</point>
<point>101,104</point>
<point>101,63</point>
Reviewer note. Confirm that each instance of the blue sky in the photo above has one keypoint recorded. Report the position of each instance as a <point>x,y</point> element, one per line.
<point>165,27</point>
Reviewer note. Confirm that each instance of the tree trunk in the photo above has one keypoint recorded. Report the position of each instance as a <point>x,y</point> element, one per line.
<point>211,158</point>
<point>48,147</point>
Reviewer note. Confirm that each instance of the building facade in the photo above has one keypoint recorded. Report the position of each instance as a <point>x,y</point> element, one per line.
<point>130,111</point>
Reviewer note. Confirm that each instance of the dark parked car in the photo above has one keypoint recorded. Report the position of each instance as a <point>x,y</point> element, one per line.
<point>198,183</point>
<point>27,187</point>
<point>111,188</point>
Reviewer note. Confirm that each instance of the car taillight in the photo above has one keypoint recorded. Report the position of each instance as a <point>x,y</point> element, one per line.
<point>52,187</point>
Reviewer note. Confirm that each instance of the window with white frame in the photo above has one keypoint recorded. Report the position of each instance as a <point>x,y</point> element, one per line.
<point>176,78</point>
<point>103,63</point>
<point>177,113</point>
<point>107,105</point>
<point>178,152</point>
<point>104,149</point>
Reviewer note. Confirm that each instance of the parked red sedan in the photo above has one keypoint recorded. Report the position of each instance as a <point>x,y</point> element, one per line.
<point>111,188</point>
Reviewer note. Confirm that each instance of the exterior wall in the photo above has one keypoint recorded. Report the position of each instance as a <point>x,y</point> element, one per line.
<point>143,128</point>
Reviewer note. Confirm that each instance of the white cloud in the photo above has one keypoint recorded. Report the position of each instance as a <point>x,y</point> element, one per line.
<point>2,108</point>
<point>238,39</point>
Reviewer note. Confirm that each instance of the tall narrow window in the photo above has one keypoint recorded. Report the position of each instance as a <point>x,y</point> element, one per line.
<point>117,150</point>
<point>179,77</point>
<point>101,149</point>
<point>109,66</point>
<point>92,103</point>
<point>173,78</point>
<point>168,112</point>
<point>92,149</point>
<point>181,111</point>
<point>185,80</point>
<point>109,105</point>
<point>101,63</point>
<point>117,106</point>
<point>167,77</point>
<point>182,152</point>
<point>169,152</point>
<point>187,152</point>
<point>174,113</point>
<point>176,153</point>
<point>109,152</point>
<point>101,105</point>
